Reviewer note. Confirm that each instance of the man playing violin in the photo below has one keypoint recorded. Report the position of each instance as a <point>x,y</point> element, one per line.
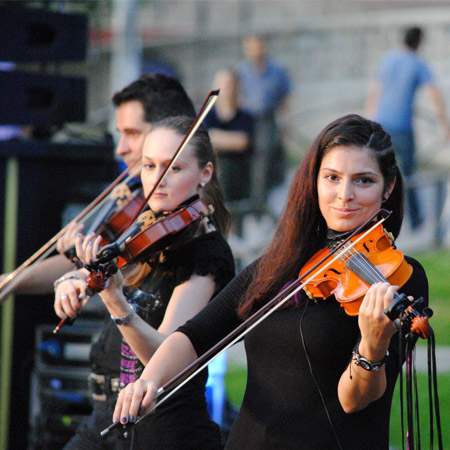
<point>318,378</point>
<point>150,98</point>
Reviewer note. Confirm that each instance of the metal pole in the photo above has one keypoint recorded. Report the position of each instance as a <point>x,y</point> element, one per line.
<point>7,309</point>
<point>126,51</point>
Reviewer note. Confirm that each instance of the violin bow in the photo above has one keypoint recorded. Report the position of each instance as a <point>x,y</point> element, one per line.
<point>11,280</point>
<point>174,384</point>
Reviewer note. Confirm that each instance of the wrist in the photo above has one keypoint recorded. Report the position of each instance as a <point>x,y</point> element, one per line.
<point>125,319</point>
<point>373,352</point>
<point>115,301</point>
<point>371,365</point>
<point>67,276</point>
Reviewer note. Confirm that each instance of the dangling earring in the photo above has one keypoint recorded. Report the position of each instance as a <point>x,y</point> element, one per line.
<point>202,185</point>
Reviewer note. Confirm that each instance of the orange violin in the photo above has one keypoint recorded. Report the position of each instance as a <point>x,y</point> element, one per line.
<point>371,260</point>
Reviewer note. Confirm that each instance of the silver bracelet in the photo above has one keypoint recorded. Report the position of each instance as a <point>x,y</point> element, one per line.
<point>125,320</point>
<point>64,278</point>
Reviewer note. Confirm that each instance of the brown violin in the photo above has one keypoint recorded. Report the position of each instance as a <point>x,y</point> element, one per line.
<point>146,237</point>
<point>114,218</point>
<point>163,233</point>
<point>123,212</point>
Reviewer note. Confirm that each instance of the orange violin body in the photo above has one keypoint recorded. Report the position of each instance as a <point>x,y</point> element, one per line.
<point>349,288</point>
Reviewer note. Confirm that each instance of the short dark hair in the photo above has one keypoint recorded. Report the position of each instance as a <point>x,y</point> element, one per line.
<point>413,37</point>
<point>160,95</point>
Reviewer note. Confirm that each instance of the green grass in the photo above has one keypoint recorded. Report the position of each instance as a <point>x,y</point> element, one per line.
<point>235,381</point>
<point>444,401</point>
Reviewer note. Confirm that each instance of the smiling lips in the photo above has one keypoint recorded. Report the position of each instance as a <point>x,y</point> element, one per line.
<point>346,211</point>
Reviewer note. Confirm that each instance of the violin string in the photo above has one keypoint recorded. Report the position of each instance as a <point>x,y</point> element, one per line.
<point>371,273</point>
<point>368,268</point>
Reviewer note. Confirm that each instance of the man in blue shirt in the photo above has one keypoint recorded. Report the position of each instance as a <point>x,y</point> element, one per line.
<point>264,89</point>
<point>391,102</point>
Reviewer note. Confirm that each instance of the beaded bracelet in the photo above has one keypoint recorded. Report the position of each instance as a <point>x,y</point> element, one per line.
<point>64,278</point>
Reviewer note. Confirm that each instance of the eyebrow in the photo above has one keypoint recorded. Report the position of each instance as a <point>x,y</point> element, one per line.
<point>129,129</point>
<point>369,172</point>
<point>166,161</point>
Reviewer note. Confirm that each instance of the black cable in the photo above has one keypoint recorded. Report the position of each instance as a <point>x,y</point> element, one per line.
<point>401,351</point>
<point>436,395</point>
<point>430,393</point>
<point>416,400</point>
<point>314,379</point>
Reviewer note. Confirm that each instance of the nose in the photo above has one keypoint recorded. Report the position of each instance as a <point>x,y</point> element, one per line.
<point>122,147</point>
<point>157,175</point>
<point>346,192</point>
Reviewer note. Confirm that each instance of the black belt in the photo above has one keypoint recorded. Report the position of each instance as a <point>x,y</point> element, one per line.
<point>102,385</point>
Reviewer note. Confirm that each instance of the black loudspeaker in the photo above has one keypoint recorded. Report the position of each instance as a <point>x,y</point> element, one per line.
<point>41,99</point>
<point>31,34</point>
<point>51,176</point>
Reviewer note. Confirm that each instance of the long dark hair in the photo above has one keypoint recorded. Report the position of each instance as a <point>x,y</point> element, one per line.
<point>302,229</point>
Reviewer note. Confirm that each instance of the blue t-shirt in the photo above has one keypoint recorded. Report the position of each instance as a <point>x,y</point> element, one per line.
<point>400,73</point>
<point>262,92</point>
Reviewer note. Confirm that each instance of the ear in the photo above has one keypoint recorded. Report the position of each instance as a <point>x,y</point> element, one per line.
<point>388,191</point>
<point>206,173</point>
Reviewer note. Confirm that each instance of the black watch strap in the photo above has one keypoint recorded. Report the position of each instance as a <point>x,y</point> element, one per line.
<point>365,363</point>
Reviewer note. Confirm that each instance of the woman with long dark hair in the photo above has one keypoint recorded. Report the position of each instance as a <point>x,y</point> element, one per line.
<point>318,378</point>
<point>150,300</point>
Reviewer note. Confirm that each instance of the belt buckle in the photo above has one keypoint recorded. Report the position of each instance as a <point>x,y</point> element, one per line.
<point>97,387</point>
<point>115,384</point>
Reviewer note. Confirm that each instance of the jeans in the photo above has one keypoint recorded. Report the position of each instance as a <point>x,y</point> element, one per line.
<point>405,150</point>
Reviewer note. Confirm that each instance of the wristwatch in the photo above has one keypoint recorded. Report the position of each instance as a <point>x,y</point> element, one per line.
<point>125,320</point>
<point>365,363</point>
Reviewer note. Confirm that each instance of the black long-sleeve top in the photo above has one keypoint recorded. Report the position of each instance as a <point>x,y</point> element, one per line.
<point>282,406</point>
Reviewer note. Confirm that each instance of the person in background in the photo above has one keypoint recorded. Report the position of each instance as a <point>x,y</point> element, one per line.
<point>391,102</point>
<point>230,129</point>
<point>318,378</point>
<point>264,92</point>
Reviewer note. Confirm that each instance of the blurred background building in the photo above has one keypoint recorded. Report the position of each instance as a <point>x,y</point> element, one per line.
<point>330,50</point>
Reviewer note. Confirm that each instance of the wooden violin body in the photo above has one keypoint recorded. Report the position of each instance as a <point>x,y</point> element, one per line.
<point>349,278</point>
